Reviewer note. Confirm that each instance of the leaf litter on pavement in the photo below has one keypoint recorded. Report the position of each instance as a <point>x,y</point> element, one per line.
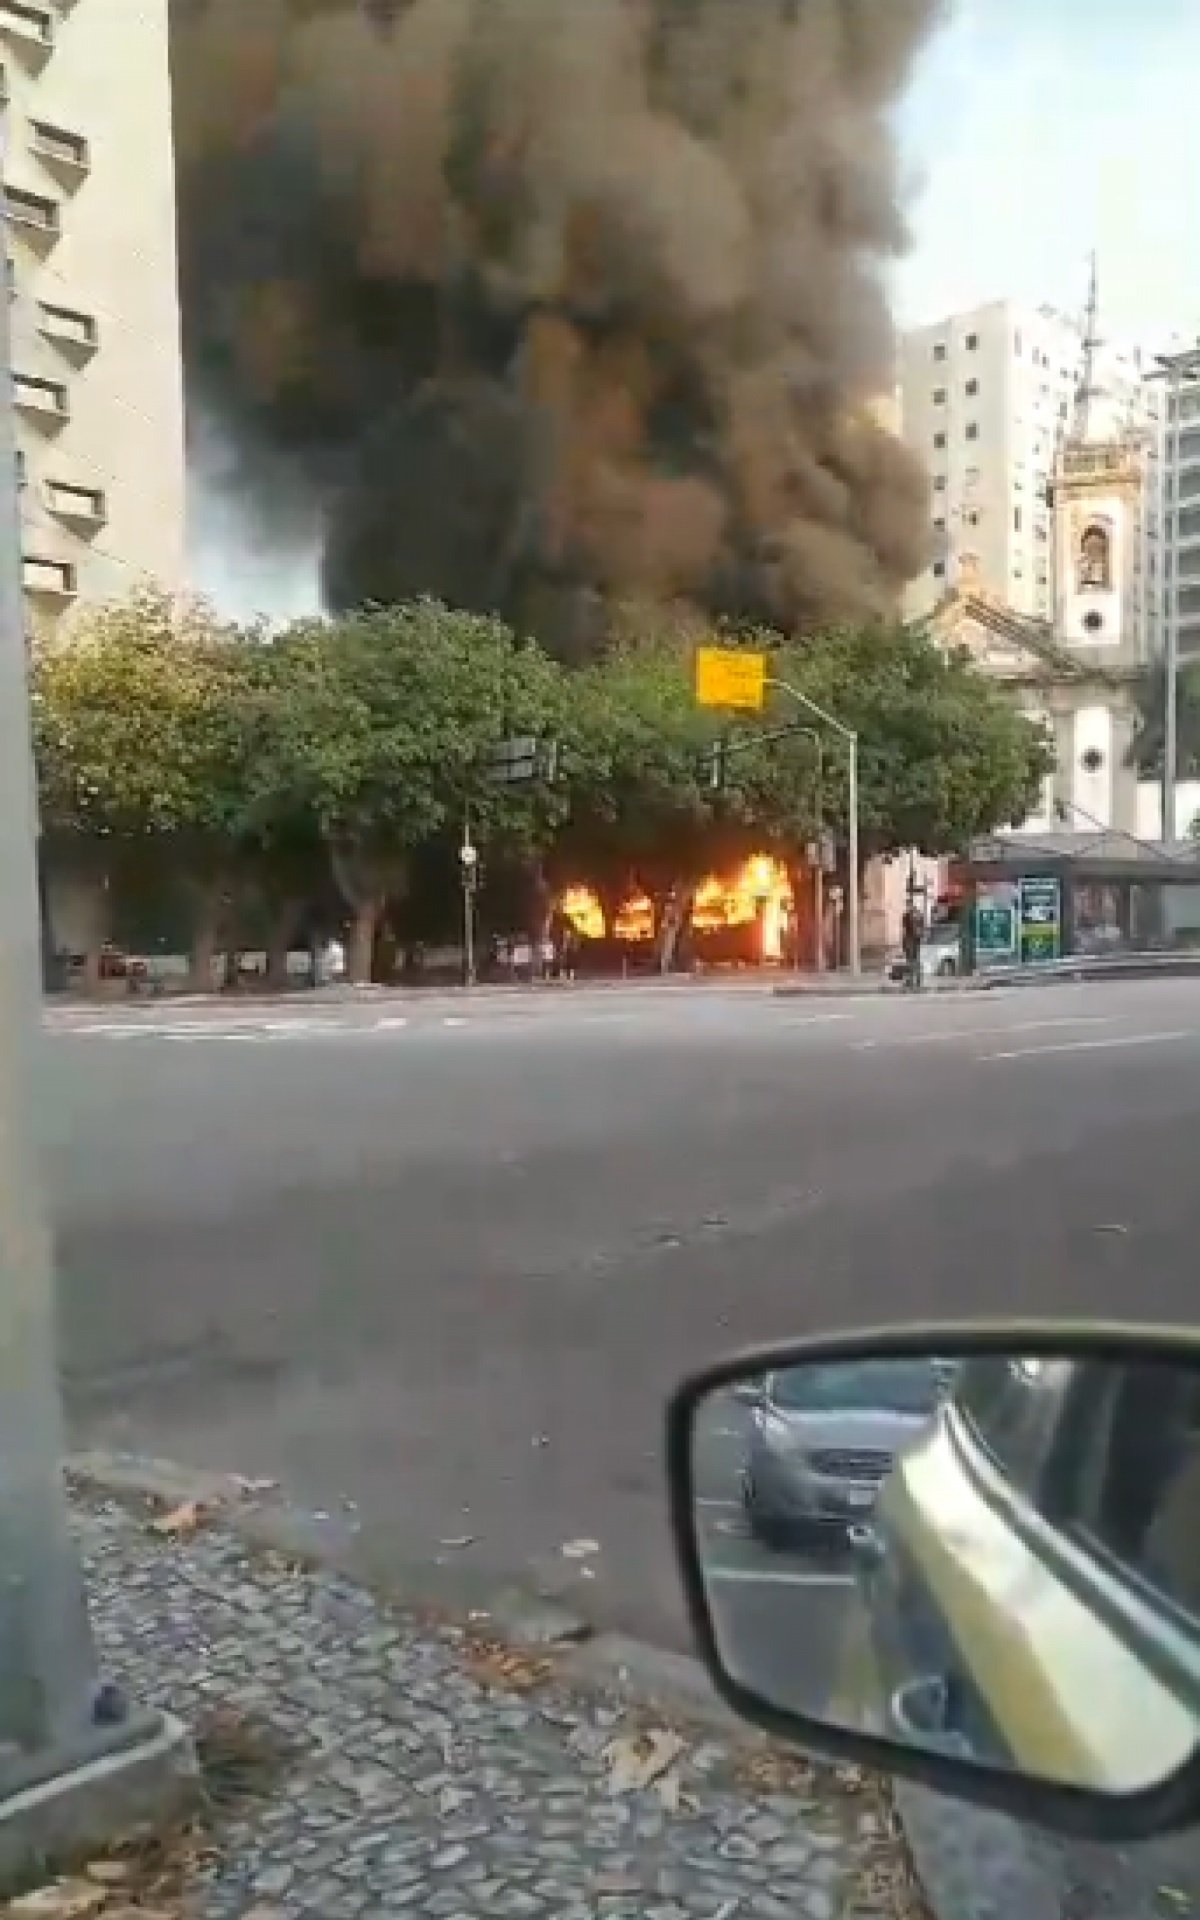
<point>638,1761</point>
<point>147,1875</point>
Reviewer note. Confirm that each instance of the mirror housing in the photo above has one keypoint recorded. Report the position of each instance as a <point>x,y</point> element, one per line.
<point>936,1756</point>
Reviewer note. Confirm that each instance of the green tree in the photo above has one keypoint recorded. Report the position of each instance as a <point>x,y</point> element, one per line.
<point>386,721</point>
<point>143,716</point>
<point>642,812</point>
<point>944,753</point>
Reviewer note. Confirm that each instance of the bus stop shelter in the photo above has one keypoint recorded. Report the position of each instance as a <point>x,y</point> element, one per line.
<point>1027,899</point>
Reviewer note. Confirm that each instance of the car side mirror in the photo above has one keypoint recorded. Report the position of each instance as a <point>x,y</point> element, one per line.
<point>970,1556</point>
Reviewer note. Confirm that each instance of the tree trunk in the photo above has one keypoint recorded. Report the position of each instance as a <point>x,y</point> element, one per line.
<point>279,946</point>
<point>611,899</point>
<point>542,918</point>
<point>806,935</point>
<point>360,950</point>
<point>203,952</point>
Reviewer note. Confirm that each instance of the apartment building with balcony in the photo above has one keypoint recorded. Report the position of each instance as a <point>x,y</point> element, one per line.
<point>87,175</point>
<point>988,398</point>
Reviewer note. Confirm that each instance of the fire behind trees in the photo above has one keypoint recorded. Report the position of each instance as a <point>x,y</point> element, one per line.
<point>553,304</point>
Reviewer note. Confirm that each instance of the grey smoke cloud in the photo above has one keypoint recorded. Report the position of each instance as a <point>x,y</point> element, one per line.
<point>551,303</point>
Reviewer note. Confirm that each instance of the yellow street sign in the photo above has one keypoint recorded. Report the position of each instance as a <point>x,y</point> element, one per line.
<point>727,677</point>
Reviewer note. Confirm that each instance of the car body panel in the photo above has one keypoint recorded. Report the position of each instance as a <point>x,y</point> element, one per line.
<point>1047,1682</point>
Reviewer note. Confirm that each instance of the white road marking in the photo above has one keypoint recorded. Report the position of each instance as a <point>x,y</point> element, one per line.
<point>815,1019</point>
<point>1093,1046</point>
<point>982,1033</point>
<point>454,1020</point>
<point>734,1506</point>
<point>764,1577</point>
<point>391,1024</point>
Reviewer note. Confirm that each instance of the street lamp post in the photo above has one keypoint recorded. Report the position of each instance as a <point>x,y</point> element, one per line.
<point>1174,368</point>
<point>849,735</point>
<point>47,1661</point>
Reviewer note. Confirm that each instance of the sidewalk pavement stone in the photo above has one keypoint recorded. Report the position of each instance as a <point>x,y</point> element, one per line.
<point>422,1772</point>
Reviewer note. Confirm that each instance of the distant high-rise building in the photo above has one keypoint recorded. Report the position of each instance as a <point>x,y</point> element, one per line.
<point>988,398</point>
<point>1181,500</point>
<point>89,199</point>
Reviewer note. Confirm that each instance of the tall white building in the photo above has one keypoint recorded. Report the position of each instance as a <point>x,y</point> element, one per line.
<point>89,193</point>
<point>987,398</point>
<point>1181,508</point>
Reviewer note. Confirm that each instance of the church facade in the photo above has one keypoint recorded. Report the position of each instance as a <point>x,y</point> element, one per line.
<point>1078,673</point>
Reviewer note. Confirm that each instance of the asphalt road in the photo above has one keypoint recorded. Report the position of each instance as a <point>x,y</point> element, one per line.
<point>435,1265</point>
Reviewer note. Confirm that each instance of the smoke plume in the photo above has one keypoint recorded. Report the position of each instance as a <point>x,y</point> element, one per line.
<point>550,304</point>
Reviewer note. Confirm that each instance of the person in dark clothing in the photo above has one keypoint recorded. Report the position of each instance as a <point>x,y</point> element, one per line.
<point>912,933</point>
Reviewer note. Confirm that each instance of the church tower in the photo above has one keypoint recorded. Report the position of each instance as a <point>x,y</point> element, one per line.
<point>1097,486</point>
<point>1096,503</point>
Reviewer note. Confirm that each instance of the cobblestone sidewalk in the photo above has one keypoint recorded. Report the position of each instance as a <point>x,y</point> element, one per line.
<point>422,1772</point>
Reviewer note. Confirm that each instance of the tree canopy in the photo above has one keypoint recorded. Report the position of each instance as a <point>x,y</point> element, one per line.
<point>324,757</point>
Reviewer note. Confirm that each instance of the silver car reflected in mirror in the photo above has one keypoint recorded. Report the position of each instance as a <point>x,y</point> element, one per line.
<point>973,1557</point>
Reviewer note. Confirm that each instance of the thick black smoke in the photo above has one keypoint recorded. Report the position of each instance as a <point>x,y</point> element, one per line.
<point>554,303</point>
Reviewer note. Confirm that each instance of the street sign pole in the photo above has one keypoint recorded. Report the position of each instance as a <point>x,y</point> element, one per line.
<point>47,1660</point>
<point>853,917</point>
<point>468,856</point>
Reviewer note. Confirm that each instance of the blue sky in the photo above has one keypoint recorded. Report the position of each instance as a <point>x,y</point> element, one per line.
<point>1037,129</point>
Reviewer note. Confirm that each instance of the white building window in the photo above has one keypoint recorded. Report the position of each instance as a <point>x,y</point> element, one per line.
<point>972,388</point>
<point>84,505</point>
<point>68,326</point>
<point>24,21</point>
<point>31,210</point>
<point>939,350</point>
<point>35,395</point>
<point>939,440</point>
<point>972,430</point>
<point>939,396</point>
<point>60,146</point>
<point>54,578</point>
<point>972,342</point>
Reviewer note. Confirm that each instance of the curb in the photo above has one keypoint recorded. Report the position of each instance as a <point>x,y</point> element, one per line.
<point>523,1617</point>
<point>882,989</point>
<point>339,996</point>
<point>974,1864</point>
